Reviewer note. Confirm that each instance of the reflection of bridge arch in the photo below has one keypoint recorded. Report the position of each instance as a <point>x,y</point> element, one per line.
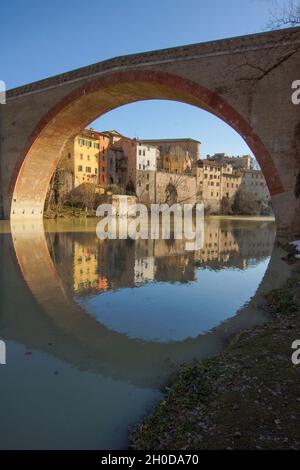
<point>84,341</point>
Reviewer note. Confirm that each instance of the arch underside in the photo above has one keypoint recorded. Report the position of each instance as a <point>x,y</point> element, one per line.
<point>64,121</point>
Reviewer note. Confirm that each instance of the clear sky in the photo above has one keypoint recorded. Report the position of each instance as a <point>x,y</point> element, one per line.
<point>43,38</point>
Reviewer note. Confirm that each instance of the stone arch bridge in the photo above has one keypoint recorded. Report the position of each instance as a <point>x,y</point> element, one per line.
<point>245,81</point>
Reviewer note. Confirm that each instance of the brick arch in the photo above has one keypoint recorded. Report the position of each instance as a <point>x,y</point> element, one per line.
<point>33,171</point>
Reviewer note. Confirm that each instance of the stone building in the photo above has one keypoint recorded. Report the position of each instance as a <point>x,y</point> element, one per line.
<point>230,183</point>
<point>132,166</point>
<point>117,165</point>
<point>173,188</point>
<point>237,162</point>
<point>146,169</point>
<point>215,181</point>
<point>176,155</point>
<point>254,182</point>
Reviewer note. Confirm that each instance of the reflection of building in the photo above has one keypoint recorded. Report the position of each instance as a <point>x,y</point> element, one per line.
<point>144,270</point>
<point>85,271</point>
<point>93,265</point>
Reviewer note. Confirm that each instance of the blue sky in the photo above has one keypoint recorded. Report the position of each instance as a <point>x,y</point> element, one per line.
<point>43,38</point>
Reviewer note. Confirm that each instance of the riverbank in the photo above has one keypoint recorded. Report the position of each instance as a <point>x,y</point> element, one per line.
<point>68,213</point>
<point>246,398</point>
<point>261,218</point>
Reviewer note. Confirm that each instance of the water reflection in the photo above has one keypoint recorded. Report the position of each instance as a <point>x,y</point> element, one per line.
<point>211,284</point>
<point>114,319</point>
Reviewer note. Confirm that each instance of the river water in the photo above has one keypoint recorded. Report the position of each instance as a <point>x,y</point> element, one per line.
<point>95,328</point>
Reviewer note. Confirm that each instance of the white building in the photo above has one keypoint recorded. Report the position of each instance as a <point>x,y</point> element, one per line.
<point>146,157</point>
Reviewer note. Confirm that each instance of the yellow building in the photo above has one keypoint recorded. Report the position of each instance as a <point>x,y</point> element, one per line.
<point>81,159</point>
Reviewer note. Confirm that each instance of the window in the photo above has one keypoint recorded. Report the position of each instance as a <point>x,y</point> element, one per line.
<point>147,176</point>
<point>212,194</point>
<point>88,158</point>
<point>88,169</point>
<point>144,152</point>
<point>140,166</point>
<point>147,187</point>
<point>103,169</point>
<point>96,145</point>
<point>140,152</point>
<point>148,162</point>
<point>96,171</point>
<point>81,156</point>
<point>79,167</point>
<point>69,155</point>
<point>88,143</point>
<point>81,141</point>
<point>103,157</point>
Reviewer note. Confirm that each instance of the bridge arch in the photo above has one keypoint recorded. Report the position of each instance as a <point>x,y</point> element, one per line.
<point>36,164</point>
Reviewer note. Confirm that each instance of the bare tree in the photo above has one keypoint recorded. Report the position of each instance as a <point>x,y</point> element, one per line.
<point>285,16</point>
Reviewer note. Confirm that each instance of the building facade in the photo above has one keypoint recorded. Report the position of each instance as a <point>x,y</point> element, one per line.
<point>176,155</point>
<point>254,182</point>
<point>215,181</point>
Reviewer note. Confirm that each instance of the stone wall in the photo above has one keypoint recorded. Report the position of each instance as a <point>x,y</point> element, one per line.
<point>185,186</point>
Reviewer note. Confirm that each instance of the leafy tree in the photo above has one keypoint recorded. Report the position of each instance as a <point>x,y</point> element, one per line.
<point>226,208</point>
<point>245,203</point>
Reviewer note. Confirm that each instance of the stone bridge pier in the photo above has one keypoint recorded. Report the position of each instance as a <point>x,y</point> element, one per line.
<point>245,81</point>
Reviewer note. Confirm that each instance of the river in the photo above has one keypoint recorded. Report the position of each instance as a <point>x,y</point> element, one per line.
<point>95,328</point>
